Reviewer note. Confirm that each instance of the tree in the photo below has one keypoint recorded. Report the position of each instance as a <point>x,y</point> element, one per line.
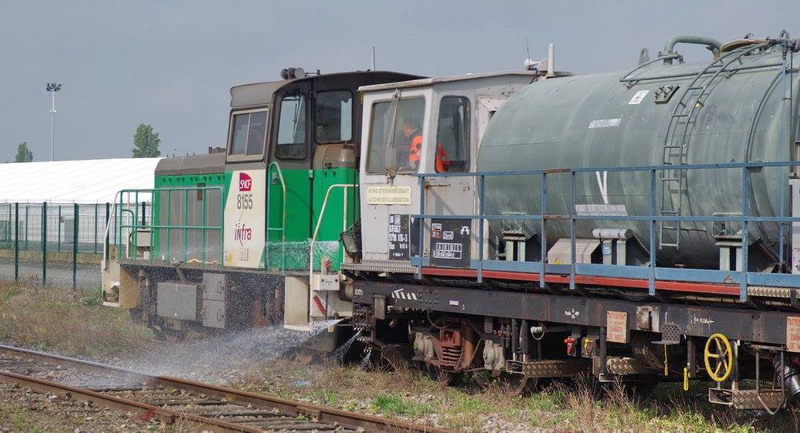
<point>146,142</point>
<point>23,153</point>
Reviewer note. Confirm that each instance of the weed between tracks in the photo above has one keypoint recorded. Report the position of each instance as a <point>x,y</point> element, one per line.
<point>486,406</point>
<point>67,322</point>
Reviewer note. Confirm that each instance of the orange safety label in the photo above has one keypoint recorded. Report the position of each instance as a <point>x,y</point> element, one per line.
<point>616,326</point>
<point>793,334</point>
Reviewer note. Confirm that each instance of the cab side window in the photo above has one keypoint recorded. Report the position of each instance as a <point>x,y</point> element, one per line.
<point>248,134</point>
<point>395,139</point>
<point>292,128</point>
<point>334,116</point>
<point>452,136</point>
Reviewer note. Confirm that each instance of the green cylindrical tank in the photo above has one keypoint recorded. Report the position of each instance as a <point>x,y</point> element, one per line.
<point>728,109</point>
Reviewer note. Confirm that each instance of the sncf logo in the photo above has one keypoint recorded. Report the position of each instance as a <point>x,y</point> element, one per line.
<point>245,182</point>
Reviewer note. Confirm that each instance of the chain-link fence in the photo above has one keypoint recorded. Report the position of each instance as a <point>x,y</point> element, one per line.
<point>56,243</point>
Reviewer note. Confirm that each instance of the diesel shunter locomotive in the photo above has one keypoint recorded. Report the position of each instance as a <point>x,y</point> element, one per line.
<point>638,226</point>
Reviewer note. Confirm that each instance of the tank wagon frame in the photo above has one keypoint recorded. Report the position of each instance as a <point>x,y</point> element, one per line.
<point>679,263</point>
<point>596,309</point>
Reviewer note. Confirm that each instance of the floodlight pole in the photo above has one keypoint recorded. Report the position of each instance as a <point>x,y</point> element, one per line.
<point>53,88</point>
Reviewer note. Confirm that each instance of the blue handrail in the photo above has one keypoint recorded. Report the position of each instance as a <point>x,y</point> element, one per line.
<point>742,276</point>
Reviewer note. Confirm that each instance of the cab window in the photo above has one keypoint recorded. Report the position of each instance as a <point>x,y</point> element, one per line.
<point>292,128</point>
<point>395,138</point>
<point>248,133</point>
<point>452,136</point>
<point>334,116</point>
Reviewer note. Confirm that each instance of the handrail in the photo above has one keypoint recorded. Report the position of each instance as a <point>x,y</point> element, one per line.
<point>648,63</point>
<point>705,166</point>
<point>344,186</point>
<point>117,208</point>
<point>107,230</point>
<point>283,215</point>
<point>122,211</point>
<point>741,276</point>
<point>669,56</point>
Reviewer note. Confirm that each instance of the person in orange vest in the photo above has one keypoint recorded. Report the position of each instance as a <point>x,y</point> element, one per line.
<point>442,162</point>
<point>411,130</point>
<point>413,133</point>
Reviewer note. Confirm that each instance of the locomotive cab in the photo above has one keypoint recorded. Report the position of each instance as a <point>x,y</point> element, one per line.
<point>431,127</point>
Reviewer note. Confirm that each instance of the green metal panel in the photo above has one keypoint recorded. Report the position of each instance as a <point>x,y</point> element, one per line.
<point>162,203</point>
<point>333,223</point>
<point>300,221</point>
<point>294,253</point>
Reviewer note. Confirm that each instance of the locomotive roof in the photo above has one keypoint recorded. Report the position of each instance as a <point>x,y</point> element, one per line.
<point>250,95</point>
<point>436,80</point>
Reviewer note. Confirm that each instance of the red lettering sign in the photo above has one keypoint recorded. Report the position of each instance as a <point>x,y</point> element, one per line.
<point>617,326</point>
<point>793,334</point>
<point>245,182</point>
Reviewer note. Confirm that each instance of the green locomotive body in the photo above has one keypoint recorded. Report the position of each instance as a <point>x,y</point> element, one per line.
<point>227,229</point>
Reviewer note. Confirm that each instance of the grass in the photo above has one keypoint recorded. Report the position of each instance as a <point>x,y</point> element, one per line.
<point>393,404</point>
<point>580,406</point>
<point>75,324</point>
<point>68,322</point>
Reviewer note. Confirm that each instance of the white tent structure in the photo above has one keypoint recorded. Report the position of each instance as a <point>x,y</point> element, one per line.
<point>56,201</point>
<point>83,182</point>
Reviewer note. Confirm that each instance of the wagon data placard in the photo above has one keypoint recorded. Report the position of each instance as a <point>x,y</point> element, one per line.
<point>450,246</point>
<point>399,237</point>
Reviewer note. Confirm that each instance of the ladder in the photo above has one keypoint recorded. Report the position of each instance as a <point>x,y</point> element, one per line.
<point>676,143</point>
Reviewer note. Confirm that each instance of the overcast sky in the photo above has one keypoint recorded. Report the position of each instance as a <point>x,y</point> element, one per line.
<point>171,63</point>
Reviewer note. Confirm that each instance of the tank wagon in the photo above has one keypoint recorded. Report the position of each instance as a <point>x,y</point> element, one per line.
<point>640,226</point>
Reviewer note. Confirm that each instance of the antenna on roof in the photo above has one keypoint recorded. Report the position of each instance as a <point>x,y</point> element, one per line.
<point>527,49</point>
<point>529,64</point>
<point>372,59</point>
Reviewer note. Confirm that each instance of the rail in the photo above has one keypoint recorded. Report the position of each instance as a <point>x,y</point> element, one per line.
<point>276,413</point>
<point>651,272</point>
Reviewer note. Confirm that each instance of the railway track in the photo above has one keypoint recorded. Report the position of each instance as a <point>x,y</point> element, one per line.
<point>171,400</point>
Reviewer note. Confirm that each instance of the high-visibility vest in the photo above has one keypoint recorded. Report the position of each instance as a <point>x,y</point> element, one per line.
<point>415,149</point>
<point>442,163</point>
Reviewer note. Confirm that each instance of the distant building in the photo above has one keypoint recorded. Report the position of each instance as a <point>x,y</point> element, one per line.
<point>91,184</point>
<point>83,182</point>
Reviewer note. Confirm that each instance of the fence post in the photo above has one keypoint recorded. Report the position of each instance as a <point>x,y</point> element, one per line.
<point>95,228</point>
<point>44,244</point>
<point>58,224</point>
<point>28,206</point>
<point>16,242</point>
<point>75,247</point>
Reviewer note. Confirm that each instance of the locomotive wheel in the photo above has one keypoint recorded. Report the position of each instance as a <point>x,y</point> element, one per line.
<point>718,357</point>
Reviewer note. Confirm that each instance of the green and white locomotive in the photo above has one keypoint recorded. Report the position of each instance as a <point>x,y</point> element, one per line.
<point>234,234</point>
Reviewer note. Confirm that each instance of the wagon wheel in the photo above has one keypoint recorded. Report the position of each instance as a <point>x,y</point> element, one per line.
<point>718,357</point>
